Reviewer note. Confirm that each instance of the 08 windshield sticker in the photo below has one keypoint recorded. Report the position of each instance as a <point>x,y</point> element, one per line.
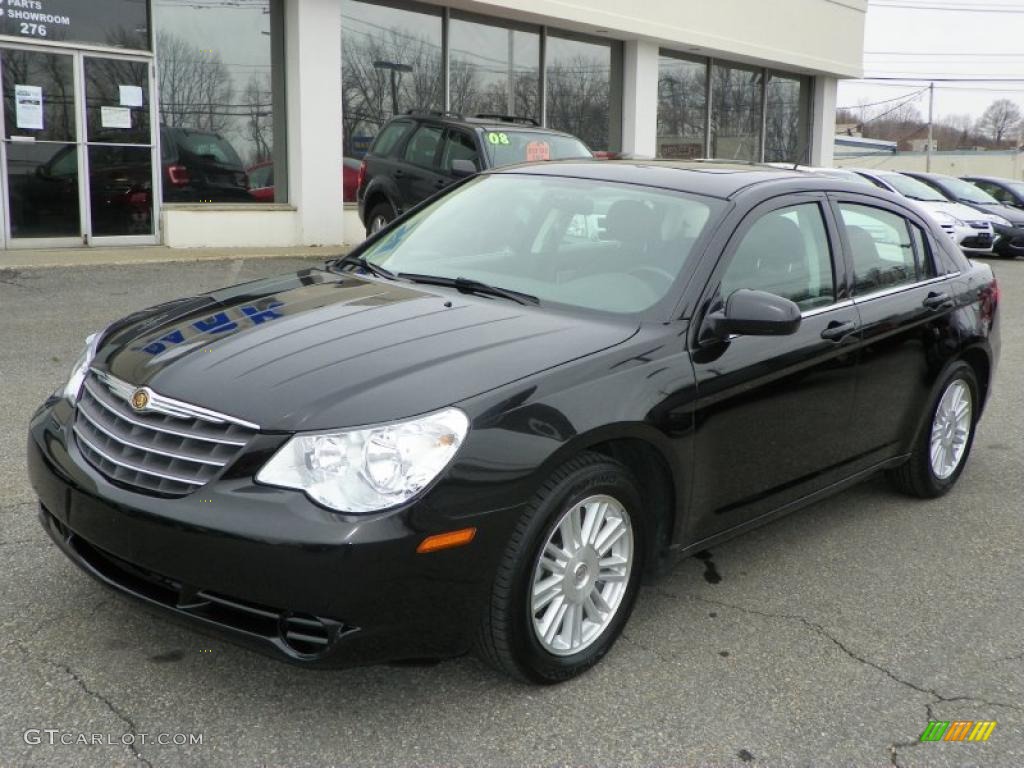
<point>496,137</point>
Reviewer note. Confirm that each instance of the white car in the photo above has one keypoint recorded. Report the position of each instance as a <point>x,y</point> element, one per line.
<point>970,229</point>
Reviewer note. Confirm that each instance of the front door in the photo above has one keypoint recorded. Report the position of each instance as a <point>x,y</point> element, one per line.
<point>772,410</point>
<point>76,160</point>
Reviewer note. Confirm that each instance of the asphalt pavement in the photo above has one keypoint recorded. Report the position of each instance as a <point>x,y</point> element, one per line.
<point>828,638</point>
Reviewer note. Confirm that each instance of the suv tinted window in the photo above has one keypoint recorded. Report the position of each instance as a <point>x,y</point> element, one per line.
<point>458,146</point>
<point>996,191</point>
<point>389,137</point>
<point>422,147</point>
<point>881,247</point>
<point>785,252</point>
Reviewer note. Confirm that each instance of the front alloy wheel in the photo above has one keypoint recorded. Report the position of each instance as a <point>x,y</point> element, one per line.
<point>581,575</point>
<point>570,574</point>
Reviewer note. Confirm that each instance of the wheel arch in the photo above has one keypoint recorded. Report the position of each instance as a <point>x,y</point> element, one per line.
<point>646,453</point>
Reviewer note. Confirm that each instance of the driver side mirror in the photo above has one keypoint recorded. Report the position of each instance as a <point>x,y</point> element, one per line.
<point>752,313</point>
<point>462,168</point>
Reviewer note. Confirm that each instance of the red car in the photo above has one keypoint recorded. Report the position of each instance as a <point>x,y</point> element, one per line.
<point>261,180</point>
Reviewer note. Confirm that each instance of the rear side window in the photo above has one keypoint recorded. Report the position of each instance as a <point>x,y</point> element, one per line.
<point>422,147</point>
<point>785,252</point>
<point>883,251</point>
<point>389,137</point>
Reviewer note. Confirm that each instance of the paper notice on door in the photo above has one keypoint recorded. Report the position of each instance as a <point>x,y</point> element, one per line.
<point>115,117</point>
<point>28,107</point>
<point>131,95</point>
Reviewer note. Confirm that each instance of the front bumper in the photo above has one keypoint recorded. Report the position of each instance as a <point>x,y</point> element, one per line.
<point>1009,241</point>
<point>266,567</point>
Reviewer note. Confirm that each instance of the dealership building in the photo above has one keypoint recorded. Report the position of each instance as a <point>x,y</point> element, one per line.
<point>196,123</point>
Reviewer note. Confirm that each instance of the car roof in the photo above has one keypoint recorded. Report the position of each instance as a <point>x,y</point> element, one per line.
<point>713,178</point>
<point>486,122</point>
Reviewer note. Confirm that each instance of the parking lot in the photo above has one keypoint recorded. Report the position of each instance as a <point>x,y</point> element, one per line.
<point>828,638</point>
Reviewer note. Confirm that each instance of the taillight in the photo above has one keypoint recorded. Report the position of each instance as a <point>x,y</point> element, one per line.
<point>362,175</point>
<point>989,296</point>
<point>178,175</point>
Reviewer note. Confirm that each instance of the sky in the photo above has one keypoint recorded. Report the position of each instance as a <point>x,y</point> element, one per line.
<point>918,39</point>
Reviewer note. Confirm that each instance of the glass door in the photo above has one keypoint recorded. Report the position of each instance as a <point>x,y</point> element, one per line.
<point>119,150</point>
<point>40,156</point>
<point>77,155</point>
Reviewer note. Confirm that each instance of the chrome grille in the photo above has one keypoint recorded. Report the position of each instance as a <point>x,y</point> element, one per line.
<point>170,448</point>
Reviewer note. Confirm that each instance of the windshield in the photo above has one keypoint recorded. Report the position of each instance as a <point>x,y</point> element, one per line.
<point>210,145</point>
<point>912,188</point>
<point>964,190</point>
<point>509,147</point>
<point>592,244</point>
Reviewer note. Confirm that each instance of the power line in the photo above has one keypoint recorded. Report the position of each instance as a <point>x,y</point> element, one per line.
<point>885,101</point>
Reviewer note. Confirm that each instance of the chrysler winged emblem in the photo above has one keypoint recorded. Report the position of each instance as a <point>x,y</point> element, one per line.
<point>140,399</point>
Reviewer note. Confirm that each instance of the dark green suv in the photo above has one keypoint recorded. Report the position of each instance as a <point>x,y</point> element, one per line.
<point>418,154</point>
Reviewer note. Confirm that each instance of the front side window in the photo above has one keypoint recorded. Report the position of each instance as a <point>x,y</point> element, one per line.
<point>785,252</point>
<point>458,146</point>
<point>883,251</point>
<point>596,245</point>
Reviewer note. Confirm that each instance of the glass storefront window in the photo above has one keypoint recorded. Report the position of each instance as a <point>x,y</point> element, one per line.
<point>682,107</point>
<point>391,62</point>
<point>219,98</point>
<point>736,111</point>
<point>584,90</point>
<point>787,121</point>
<point>494,69</point>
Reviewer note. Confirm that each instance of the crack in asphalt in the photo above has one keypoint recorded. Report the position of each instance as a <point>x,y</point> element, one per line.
<point>95,695</point>
<point>820,630</point>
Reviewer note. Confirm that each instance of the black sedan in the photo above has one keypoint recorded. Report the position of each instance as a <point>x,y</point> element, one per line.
<point>481,428</point>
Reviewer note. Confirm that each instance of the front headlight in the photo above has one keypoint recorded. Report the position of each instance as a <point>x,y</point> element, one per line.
<point>947,218</point>
<point>81,368</point>
<point>370,468</point>
<point>995,218</point>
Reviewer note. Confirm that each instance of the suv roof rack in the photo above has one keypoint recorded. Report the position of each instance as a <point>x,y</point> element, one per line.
<point>507,118</point>
<point>433,113</point>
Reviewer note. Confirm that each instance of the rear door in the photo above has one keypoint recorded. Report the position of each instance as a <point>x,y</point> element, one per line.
<point>905,305</point>
<point>419,175</point>
<point>772,412</point>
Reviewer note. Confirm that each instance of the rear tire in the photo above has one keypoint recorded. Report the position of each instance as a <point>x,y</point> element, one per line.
<point>944,445</point>
<point>380,216</point>
<point>551,616</point>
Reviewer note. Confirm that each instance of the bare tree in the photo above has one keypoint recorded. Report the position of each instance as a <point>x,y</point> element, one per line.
<point>578,99</point>
<point>1000,121</point>
<point>259,126</point>
<point>196,87</point>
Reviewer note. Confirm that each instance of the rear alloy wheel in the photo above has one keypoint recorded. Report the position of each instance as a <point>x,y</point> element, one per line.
<point>380,216</point>
<point>945,441</point>
<point>570,575</point>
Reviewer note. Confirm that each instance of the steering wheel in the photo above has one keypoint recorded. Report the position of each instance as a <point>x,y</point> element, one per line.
<point>662,279</point>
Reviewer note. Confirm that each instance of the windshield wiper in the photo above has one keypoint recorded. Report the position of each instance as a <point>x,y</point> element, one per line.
<point>465,285</point>
<point>362,263</point>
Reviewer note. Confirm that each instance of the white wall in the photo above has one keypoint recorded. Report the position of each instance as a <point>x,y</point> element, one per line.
<point>1008,165</point>
<point>815,36</point>
<point>823,121</point>
<point>640,98</point>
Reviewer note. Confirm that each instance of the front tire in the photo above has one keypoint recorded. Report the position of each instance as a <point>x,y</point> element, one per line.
<point>945,442</point>
<point>570,575</point>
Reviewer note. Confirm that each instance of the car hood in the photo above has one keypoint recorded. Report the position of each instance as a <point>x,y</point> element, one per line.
<point>1015,217</point>
<point>316,350</point>
<point>959,210</point>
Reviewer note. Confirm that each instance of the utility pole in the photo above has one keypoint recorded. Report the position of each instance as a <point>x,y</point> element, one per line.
<point>931,114</point>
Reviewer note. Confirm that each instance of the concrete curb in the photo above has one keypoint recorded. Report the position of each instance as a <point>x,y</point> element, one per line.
<point>153,254</point>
